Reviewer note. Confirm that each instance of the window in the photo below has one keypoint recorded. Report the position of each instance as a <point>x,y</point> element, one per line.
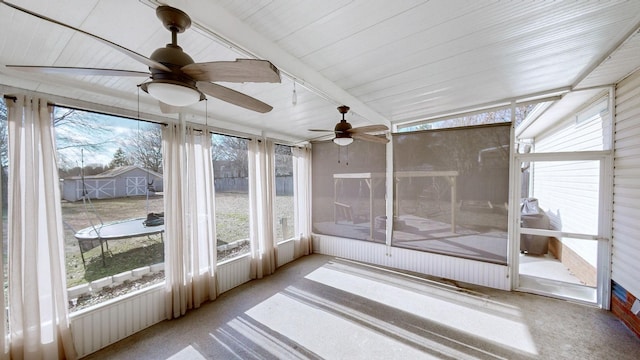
<point>284,202</point>
<point>4,181</point>
<point>348,190</point>
<point>231,181</point>
<point>112,204</point>
<point>497,116</point>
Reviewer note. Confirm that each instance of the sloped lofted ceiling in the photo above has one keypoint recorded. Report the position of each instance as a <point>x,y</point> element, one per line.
<point>390,61</point>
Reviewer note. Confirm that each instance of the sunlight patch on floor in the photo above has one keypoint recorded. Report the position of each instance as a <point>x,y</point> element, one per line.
<point>468,314</point>
<point>188,353</point>
<point>327,335</point>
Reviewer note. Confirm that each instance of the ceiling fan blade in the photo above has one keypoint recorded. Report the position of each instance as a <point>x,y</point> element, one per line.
<point>372,138</point>
<point>76,70</point>
<point>233,97</point>
<point>241,70</point>
<point>320,130</point>
<point>368,128</point>
<point>168,109</point>
<point>132,54</point>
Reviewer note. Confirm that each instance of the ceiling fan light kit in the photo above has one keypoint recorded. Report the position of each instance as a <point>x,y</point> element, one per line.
<point>171,93</point>
<point>175,79</point>
<point>344,133</point>
<point>343,141</point>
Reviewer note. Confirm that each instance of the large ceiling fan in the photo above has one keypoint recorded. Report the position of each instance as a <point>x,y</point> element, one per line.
<point>175,79</point>
<point>345,133</point>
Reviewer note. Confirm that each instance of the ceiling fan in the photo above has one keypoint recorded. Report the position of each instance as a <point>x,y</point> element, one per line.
<point>175,79</point>
<point>345,133</point>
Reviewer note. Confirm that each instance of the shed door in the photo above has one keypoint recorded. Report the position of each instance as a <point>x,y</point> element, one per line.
<point>136,185</point>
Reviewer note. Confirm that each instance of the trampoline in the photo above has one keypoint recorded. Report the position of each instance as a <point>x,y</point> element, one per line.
<point>98,235</point>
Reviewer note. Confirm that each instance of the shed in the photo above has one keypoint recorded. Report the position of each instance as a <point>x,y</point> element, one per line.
<point>130,180</point>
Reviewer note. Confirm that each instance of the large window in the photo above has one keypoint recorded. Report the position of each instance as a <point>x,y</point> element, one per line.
<point>284,202</point>
<point>451,191</point>
<point>231,179</point>
<point>349,190</point>
<point>112,204</point>
<point>496,116</point>
<point>4,180</point>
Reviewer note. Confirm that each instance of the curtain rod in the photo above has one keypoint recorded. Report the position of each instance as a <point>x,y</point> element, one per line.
<point>212,130</point>
<point>15,98</point>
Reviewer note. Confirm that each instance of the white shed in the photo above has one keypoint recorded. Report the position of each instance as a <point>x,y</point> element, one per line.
<point>130,180</point>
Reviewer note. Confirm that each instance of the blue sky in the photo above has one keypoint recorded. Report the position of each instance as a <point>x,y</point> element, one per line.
<point>109,132</point>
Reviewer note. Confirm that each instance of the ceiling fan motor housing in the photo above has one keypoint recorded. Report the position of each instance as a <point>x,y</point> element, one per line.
<point>174,58</point>
<point>342,129</point>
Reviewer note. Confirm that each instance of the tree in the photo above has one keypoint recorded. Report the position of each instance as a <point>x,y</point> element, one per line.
<point>4,145</point>
<point>489,117</point>
<point>283,160</point>
<point>145,147</point>
<point>119,159</point>
<point>75,131</point>
<point>231,153</point>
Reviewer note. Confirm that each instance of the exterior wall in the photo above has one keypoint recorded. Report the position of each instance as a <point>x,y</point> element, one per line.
<point>626,199</point>
<point>569,190</point>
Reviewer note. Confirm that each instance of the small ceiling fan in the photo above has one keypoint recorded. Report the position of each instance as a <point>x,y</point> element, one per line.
<point>345,133</point>
<point>175,79</point>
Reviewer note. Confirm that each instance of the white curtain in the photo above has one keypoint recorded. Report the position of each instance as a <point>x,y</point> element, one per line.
<point>39,321</point>
<point>190,234</point>
<point>302,196</point>
<point>261,197</point>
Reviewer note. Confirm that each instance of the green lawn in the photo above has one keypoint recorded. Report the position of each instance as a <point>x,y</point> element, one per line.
<point>232,223</point>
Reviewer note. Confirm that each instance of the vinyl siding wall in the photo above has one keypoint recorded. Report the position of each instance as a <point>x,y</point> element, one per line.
<point>626,186</point>
<point>569,190</point>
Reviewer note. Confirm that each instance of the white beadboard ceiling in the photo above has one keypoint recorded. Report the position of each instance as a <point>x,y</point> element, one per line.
<point>390,61</point>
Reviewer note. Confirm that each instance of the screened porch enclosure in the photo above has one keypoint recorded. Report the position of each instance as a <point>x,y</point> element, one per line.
<point>450,191</point>
<point>349,190</point>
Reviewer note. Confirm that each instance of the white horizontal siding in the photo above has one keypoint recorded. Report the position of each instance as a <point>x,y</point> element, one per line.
<point>626,186</point>
<point>569,136</point>
<point>448,267</point>
<point>570,190</point>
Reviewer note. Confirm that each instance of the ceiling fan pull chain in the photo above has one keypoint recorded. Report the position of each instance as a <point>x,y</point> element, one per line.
<point>347,148</point>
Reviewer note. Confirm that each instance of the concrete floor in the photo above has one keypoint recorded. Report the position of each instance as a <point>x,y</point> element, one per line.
<point>322,307</point>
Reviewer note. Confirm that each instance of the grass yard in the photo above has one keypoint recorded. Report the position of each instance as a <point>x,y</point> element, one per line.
<point>124,254</point>
<point>232,223</point>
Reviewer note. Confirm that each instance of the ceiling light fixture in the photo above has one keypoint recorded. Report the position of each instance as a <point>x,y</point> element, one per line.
<point>172,92</point>
<point>343,141</point>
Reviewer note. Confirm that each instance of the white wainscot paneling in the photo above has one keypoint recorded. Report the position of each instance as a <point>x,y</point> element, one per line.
<point>285,252</point>
<point>97,327</point>
<point>102,325</point>
<point>233,273</point>
<point>448,267</point>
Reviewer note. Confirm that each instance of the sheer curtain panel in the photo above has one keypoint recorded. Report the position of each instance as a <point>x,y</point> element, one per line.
<point>261,197</point>
<point>302,196</point>
<point>190,239</point>
<point>38,317</point>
